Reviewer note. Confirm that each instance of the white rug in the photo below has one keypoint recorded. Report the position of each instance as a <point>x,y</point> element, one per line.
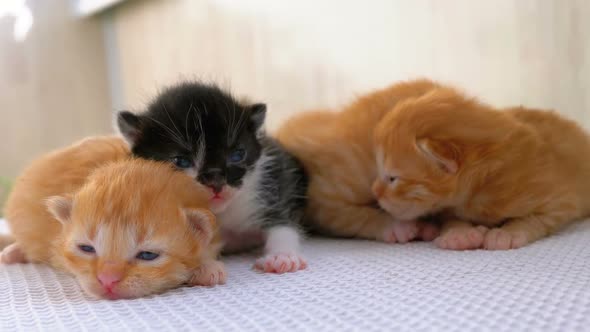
<point>350,285</point>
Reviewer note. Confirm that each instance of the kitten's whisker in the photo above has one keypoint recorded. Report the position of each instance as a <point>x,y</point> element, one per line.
<point>170,131</point>
<point>173,135</point>
<point>188,137</point>
<point>173,123</point>
<point>199,117</point>
<point>238,126</point>
<point>230,137</point>
<point>229,122</point>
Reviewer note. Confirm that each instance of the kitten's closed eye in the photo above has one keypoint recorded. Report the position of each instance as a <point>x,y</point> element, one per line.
<point>86,248</point>
<point>182,162</point>
<point>147,255</point>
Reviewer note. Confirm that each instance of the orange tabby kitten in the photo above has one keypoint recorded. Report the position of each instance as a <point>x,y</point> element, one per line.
<point>522,173</point>
<point>124,228</point>
<point>337,151</point>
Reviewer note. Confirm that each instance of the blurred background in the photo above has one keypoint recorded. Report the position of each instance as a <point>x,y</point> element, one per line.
<point>67,65</point>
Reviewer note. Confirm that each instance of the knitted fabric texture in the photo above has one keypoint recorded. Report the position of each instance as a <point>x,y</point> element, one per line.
<point>349,285</point>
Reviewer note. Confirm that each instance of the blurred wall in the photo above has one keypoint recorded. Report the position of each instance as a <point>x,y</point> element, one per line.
<point>309,53</point>
<point>53,85</point>
<point>64,80</point>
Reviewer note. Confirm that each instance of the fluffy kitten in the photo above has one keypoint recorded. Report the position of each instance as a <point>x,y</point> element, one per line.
<point>124,228</point>
<point>256,189</point>
<point>522,173</point>
<point>337,151</point>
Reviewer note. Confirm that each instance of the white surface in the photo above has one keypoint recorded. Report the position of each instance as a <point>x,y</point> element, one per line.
<point>350,285</point>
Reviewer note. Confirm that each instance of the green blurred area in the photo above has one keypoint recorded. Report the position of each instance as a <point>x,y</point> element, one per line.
<point>5,185</point>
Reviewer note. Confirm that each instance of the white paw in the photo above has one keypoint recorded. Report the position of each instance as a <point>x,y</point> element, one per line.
<point>401,232</point>
<point>209,274</point>
<point>281,263</point>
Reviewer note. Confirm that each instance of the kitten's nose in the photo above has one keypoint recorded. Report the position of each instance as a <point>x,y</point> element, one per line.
<point>214,178</point>
<point>378,189</point>
<point>109,274</point>
<point>108,279</point>
<point>216,188</point>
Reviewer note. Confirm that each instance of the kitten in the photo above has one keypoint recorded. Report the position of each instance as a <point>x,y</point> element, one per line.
<point>124,228</point>
<point>522,173</point>
<point>337,151</point>
<point>256,189</point>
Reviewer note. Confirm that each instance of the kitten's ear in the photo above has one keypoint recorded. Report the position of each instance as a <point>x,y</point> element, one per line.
<point>203,222</point>
<point>129,125</point>
<point>257,114</point>
<point>60,207</point>
<point>444,154</point>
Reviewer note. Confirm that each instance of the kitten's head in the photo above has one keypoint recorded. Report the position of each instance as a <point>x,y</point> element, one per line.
<point>136,227</point>
<point>203,131</point>
<point>421,153</point>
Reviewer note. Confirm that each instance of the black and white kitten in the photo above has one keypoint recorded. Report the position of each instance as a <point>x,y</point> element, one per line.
<point>257,188</point>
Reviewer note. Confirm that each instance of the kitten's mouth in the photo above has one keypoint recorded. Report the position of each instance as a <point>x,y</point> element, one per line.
<point>220,195</point>
<point>406,213</point>
<point>110,295</point>
<point>104,293</point>
<point>217,196</point>
<point>219,200</point>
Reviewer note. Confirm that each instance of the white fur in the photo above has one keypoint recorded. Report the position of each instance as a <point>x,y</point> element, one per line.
<point>419,191</point>
<point>282,240</point>
<point>241,212</point>
<point>192,172</point>
<point>121,244</point>
<point>110,238</point>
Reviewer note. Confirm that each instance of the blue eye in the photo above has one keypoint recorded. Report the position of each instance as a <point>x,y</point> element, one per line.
<point>147,255</point>
<point>237,155</point>
<point>182,162</point>
<point>86,248</point>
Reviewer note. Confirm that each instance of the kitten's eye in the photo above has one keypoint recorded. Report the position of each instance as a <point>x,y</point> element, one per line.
<point>237,155</point>
<point>392,179</point>
<point>147,255</point>
<point>86,248</point>
<point>182,162</point>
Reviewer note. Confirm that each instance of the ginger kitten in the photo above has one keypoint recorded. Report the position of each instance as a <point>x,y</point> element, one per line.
<point>124,228</point>
<point>500,179</point>
<point>338,154</point>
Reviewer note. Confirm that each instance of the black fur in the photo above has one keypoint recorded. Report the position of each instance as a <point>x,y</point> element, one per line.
<point>283,186</point>
<point>206,125</point>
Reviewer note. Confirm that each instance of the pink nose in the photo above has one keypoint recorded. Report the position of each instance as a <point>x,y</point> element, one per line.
<point>108,280</point>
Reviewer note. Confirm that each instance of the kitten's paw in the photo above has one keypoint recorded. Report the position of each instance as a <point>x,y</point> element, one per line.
<point>209,274</point>
<point>500,239</point>
<point>401,232</point>
<point>12,254</point>
<point>281,263</point>
<point>463,238</point>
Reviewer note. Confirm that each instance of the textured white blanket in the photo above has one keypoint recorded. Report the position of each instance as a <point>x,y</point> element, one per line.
<point>350,285</point>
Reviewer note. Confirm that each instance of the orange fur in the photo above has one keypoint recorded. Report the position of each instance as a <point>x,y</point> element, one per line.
<point>337,151</point>
<point>524,171</point>
<point>120,206</point>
